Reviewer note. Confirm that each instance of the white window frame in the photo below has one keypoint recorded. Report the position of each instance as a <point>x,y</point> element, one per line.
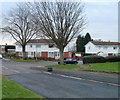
<point>20,53</point>
<point>38,54</point>
<point>38,45</point>
<point>49,54</point>
<point>89,47</point>
<point>32,53</point>
<point>114,48</point>
<point>31,46</point>
<point>105,47</point>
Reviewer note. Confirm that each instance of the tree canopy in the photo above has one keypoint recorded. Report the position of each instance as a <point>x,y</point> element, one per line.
<point>59,21</point>
<point>20,26</point>
<point>81,42</point>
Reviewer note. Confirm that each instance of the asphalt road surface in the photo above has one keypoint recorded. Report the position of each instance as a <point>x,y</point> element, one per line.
<point>55,86</point>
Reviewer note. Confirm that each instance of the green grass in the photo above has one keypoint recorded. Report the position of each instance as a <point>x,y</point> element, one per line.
<point>11,89</point>
<point>67,66</point>
<point>27,60</point>
<point>107,67</point>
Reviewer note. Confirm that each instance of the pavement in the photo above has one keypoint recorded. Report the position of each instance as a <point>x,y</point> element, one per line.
<point>61,83</point>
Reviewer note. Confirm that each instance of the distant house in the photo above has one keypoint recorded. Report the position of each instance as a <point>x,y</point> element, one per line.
<point>102,48</point>
<point>10,48</point>
<point>7,48</point>
<point>2,49</point>
<point>41,48</point>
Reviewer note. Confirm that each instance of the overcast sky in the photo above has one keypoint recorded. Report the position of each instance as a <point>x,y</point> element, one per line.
<point>102,18</point>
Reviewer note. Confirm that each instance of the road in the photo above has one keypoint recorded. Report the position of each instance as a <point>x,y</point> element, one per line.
<point>54,85</point>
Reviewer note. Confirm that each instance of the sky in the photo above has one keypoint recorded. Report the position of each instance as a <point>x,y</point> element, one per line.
<point>102,19</point>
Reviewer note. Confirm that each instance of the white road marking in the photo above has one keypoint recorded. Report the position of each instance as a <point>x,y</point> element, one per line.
<point>77,78</point>
<point>11,70</point>
<point>47,72</point>
<point>15,71</point>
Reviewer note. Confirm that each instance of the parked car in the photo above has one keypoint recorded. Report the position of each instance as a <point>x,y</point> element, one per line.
<point>69,61</point>
<point>0,56</point>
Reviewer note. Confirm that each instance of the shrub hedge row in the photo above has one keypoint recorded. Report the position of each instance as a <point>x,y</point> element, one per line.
<point>112,58</point>
<point>100,59</point>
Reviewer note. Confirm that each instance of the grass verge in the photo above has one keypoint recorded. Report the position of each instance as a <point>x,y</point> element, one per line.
<point>11,89</point>
<point>106,67</point>
<point>67,66</point>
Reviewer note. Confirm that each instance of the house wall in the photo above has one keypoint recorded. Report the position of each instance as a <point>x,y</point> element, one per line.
<point>90,48</point>
<point>42,50</point>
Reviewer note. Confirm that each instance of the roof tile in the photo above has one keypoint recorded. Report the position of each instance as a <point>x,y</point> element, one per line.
<point>105,43</point>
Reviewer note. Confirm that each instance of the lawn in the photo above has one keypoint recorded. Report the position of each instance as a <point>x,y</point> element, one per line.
<point>107,67</point>
<point>67,66</point>
<point>11,89</point>
<point>27,60</point>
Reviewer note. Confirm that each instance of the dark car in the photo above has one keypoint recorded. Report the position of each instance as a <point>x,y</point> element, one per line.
<point>69,61</point>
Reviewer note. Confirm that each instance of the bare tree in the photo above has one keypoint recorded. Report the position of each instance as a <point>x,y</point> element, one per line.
<point>20,26</point>
<point>59,21</point>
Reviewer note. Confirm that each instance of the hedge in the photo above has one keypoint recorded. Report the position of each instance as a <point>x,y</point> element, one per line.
<point>100,59</point>
<point>112,58</point>
<point>93,59</point>
<point>45,58</point>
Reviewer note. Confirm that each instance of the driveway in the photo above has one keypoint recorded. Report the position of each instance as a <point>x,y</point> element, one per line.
<point>53,85</point>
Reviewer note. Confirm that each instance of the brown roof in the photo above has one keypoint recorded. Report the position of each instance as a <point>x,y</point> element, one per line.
<point>41,41</point>
<point>105,43</point>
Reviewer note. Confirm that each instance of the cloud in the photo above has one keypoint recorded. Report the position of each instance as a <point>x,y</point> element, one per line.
<point>102,17</point>
<point>102,20</point>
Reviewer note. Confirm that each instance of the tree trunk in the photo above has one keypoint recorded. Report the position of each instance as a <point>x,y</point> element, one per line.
<point>23,51</point>
<point>61,56</point>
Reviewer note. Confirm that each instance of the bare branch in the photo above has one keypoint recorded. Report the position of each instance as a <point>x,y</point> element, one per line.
<point>20,25</point>
<point>59,21</point>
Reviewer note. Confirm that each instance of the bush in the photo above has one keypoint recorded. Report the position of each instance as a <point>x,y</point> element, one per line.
<point>45,58</point>
<point>93,59</point>
<point>10,55</point>
<point>112,58</point>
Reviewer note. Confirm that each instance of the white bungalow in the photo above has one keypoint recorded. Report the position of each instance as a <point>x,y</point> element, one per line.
<point>102,48</point>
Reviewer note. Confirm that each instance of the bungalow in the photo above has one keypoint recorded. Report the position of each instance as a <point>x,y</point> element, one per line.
<point>41,48</point>
<point>102,48</point>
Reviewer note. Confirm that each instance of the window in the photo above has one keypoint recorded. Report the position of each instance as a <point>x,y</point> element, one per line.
<point>99,47</point>
<point>105,47</point>
<point>20,54</point>
<point>51,45</point>
<point>56,54</point>
<point>32,53</point>
<point>38,46</point>
<point>114,48</point>
<point>89,47</point>
<point>51,54</point>
<point>38,54</point>
<point>19,45</point>
<point>31,46</point>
